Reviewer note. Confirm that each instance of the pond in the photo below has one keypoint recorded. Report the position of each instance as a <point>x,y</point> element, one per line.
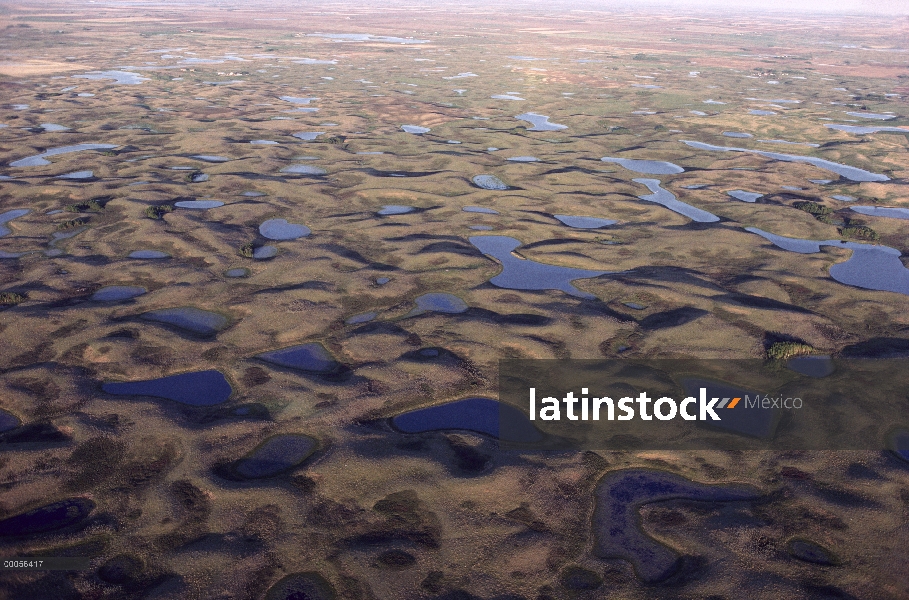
<point>523,159</point>
<point>480,209</point>
<point>280,229</point>
<point>188,318</point>
<point>540,122</point>
<point>199,204</point>
<point>77,175</point>
<point>648,167</point>
<point>265,252</point>
<point>38,160</point>
<point>395,209</point>
<point>198,388</point>
<point>882,211</point>
<point>870,267</point>
<point>438,302</point>
<point>863,129</point>
<point>584,222</point>
<point>119,77</point>
<point>666,198</point>
<point>868,115</point>
<point>525,274</point>
<point>304,170</point>
<point>416,129</point>
<point>311,358</point>
<point>851,173</point>
<point>745,196</point>
<point>308,136</point>
<point>479,415</point>
<point>9,216</point>
<point>276,455</point>
<point>117,293</point>
<point>505,97</point>
<point>489,182</point>
<point>148,254</point>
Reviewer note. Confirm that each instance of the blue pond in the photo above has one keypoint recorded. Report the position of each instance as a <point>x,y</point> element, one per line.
<point>519,274</point>
<point>49,517</point>
<point>737,134</point>
<point>148,254</point>
<point>899,443</point>
<point>308,136</point>
<point>882,211</point>
<point>439,302</point>
<point>382,280</point>
<point>265,252</point>
<point>8,421</point>
<point>813,366</point>
<point>116,293</point>
<point>239,272</point>
<point>39,159</point>
<point>666,198</point>
<point>863,129</point>
<point>744,196</point>
<point>480,209</point>
<point>276,455</point>
<point>312,358</point>
<point>489,182</point>
<point>868,115</point>
<point>361,318</point>
<point>199,204</point>
<point>199,388</point>
<point>77,175</point>
<point>395,209</point>
<point>480,415</point>
<point>9,216</point>
<point>280,229</point>
<point>540,122</point>
<point>212,158</point>
<point>415,129</point>
<point>304,170</point>
<point>616,522</point>
<point>649,167</point>
<point>194,320</point>
<point>584,222</point>
<point>523,159</point>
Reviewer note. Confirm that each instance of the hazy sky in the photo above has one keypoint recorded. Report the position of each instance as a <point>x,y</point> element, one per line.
<point>899,7</point>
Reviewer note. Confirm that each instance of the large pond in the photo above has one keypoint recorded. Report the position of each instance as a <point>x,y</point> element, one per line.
<point>868,115</point>
<point>199,204</point>
<point>863,129</point>
<point>540,122</point>
<point>310,358</point>
<point>199,388</point>
<point>280,229</point>
<point>489,182</point>
<point>9,216</point>
<point>415,129</point>
<point>117,293</point>
<point>882,211</point>
<point>188,318</point>
<point>745,196</point>
<point>584,222</point>
<point>304,170</point>
<point>524,274</point>
<point>851,173</point>
<point>119,77</point>
<point>648,167</point>
<point>276,455</point>
<point>38,160</point>
<point>870,267</point>
<point>666,198</point>
<point>480,415</point>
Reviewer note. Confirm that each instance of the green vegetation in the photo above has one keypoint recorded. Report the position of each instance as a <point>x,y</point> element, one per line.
<point>639,56</point>
<point>859,232</point>
<point>90,206</point>
<point>72,224</point>
<point>246,250</point>
<point>335,139</point>
<point>813,208</point>
<point>158,212</point>
<point>785,350</point>
<point>10,298</point>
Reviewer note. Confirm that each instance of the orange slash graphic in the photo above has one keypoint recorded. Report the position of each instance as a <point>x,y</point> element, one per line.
<point>733,403</point>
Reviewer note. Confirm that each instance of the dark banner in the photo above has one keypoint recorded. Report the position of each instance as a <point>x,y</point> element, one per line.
<point>806,403</point>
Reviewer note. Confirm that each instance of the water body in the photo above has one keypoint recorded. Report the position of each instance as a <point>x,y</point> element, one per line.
<point>117,293</point>
<point>188,318</point>
<point>199,204</point>
<point>761,113</point>
<point>38,160</point>
<point>481,227</point>
<point>666,198</point>
<point>698,113</point>
<point>489,182</point>
<point>851,173</point>
<point>540,122</point>
<point>280,229</point>
<point>49,127</point>
<point>366,37</point>
<point>77,175</point>
<point>119,77</point>
<point>520,274</point>
<point>870,267</point>
<point>713,102</point>
<point>842,198</point>
<point>199,388</point>
<point>239,272</point>
<point>8,421</point>
<point>898,442</point>
<point>523,159</point>
<point>304,170</point>
<point>790,143</point>
<point>882,211</point>
<point>616,520</point>
<point>480,209</point>
<point>249,194</point>
<point>812,366</point>
<point>863,129</point>
<point>9,216</point>
<point>308,136</point>
<point>198,177</point>
<point>395,209</point>
<point>264,142</point>
<point>584,222</point>
<point>416,129</point>
<point>649,167</point>
<point>867,115</point>
<point>212,158</point>
<point>295,100</point>
<point>361,318</point>
<point>148,254</point>
<point>505,97</point>
<point>382,280</point>
<point>439,302</point>
<point>265,252</point>
<point>479,415</point>
<point>311,358</point>
<point>736,134</point>
<point>744,196</point>
<point>274,456</point>
<point>50,517</point>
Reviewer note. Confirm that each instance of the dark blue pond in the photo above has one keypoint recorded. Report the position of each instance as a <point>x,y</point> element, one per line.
<point>199,388</point>
<point>276,455</point>
<point>312,357</point>
<point>117,293</point>
<point>8,421</point>
<point>49,517</point>
<point>194,320</point>
<point>481,415</point>
<point>584,222</point>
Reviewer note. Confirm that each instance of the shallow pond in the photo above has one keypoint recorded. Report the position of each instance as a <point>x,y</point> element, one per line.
<point>49,127</point>
<point>870,267</point>
<point>480,209</point>
<point>280,229</point>
<point>863,129</point>
<point>882,211</point>
<point>199,204</point>
<point>648,167</point>
<point>117,293</point>
<point>119,77</point>
<point>188,318</point>
<point>9,216</point>
<point>584,222</point>
<point>265,252</point>
<point>277,454</point>
<point>505,97</point>
<point>666,198</point>
<point>736,134</point>
<point>238,272</point>
<point>308,136</point>
<point>304,170</point>
<point>77,175</point>
<point>523,159</point>
<point>361,318</point>
<point>38,160</point>
<point>868,115</point>
<point>489,182</point>
<point>198,388</point>
<point>851,173</point>
<point>761,113</point>
<point>394,209</point>
<point>439,302</point>
<point>521,274</point>
<point>415,129</point>
<point>148,254</point>
<point>540,122</point>
<point>744,196</point>
<point>480,415</point>
<point>312,358</point>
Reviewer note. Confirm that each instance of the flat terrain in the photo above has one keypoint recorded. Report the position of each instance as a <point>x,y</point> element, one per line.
<point>295,116</point>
